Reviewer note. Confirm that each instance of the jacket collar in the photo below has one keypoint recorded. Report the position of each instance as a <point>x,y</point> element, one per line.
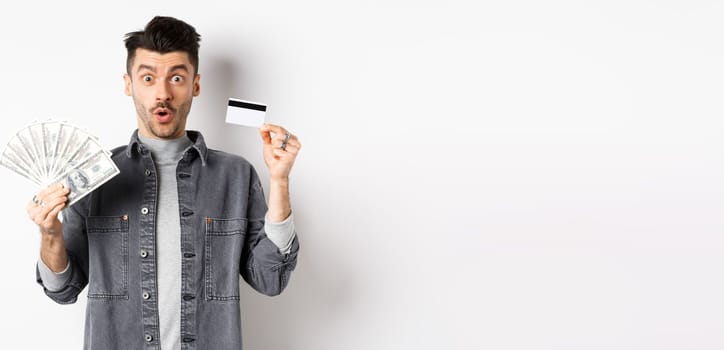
<point>199,145</point>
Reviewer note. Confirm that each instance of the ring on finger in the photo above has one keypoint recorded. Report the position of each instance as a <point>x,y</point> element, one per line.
<point>284,142</point>
<point>36,200</point>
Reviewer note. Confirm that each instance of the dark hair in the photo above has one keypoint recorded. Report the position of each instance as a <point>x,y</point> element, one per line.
<point>164,35</point>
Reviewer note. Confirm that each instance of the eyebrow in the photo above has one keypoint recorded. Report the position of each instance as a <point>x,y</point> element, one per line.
<point>153,69</point>
<point>144,66</point>
<point>179,67</point>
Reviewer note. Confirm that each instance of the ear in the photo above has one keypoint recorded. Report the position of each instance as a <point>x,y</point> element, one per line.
<point>197,87</point>
<point>128,89</point>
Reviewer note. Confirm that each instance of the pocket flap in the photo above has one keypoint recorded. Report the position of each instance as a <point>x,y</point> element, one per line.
<point>107,223</point>
<point>223,227</point>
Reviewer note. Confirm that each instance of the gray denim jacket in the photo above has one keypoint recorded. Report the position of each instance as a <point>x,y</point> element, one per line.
<point>110,239</point>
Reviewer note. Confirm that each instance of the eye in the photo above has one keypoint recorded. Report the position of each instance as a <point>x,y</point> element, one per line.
<point>177,78</point>
<point>146,78</point>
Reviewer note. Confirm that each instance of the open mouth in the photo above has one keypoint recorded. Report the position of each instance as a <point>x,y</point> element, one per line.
<point>163,115</point>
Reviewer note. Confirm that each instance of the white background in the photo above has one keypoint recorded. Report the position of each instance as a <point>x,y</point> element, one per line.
<point>475,175</point>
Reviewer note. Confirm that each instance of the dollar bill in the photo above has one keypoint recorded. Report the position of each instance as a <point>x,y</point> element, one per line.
<point>88,176</point>
<point>25,141</point>
<point>17,154</point>
<point>50,142</point>
<point>10,161</point>
<point>36,137</point>
<point>64,135</point>
<point>74,143</point>
<point>87,149</point>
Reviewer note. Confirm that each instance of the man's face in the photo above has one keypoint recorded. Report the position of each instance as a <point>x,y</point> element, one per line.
<point>162,86</point>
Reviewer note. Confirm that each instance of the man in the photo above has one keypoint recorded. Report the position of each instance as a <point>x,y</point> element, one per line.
<point>161,246</point>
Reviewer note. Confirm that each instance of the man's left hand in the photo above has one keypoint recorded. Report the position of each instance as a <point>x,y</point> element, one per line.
<point>280,150</point>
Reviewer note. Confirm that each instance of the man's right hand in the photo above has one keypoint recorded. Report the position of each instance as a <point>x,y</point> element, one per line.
<point>45,206</point>
<point>43,210</point>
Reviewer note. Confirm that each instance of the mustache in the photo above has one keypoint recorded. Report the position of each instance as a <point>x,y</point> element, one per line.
<point>163,105</point>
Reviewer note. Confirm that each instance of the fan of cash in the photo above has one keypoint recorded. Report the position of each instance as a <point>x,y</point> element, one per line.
<point>49,152</point>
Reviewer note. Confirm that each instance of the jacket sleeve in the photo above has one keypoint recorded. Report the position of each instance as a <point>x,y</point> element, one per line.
<point>263,266</point>
<point>76,245</point>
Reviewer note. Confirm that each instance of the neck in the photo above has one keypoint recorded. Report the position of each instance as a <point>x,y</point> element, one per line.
<point>166,150</point>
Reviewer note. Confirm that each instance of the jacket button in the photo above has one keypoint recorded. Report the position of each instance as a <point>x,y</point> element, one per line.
<point>189,255</point>
<point>187,213</point>
<point>188,339</point>
<point>148,338</point>
<point>146,295</point>
<point>144,253</point>
<point>147,172</point>
<point>188,297</point>
<point>144,211</point>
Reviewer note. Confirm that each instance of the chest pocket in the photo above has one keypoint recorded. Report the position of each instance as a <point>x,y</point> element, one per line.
<point>224,244</point>
<point>107,256</point>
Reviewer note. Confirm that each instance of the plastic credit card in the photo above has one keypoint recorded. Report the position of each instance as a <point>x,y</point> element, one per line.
<point>245,113</point>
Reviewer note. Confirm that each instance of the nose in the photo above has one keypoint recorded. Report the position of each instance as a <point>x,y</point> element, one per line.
<point>163,92</point>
